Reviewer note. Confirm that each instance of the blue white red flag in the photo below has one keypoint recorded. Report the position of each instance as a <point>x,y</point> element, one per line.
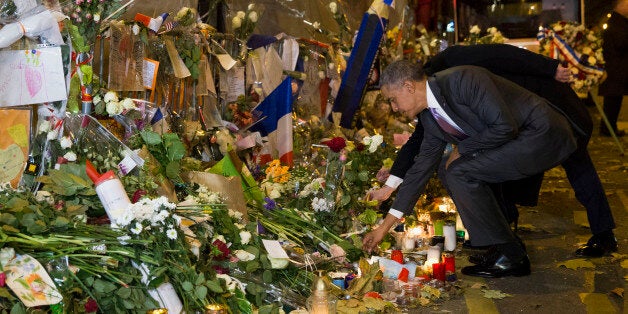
<point>276,112</point>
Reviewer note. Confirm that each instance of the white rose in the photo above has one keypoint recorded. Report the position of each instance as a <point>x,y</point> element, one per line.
<point>236,22</point>
<point>278,263</point>
<point>97,99</point>
<point>231,284</point>
<point>219,237</point>
<point>44,196</point>
<point>135,29</point>
<point>316,25</point>
<point>253,16</point>
<point>44,126</point>
<point>96,18</point>
<point>244,255</point>
<point>65,142</point>
<point>52,135</point>
<point>111,96</point>
<point>251,7</point>
<point>6,255</point>
<point>127,104</point>
<point>241,15</point>
<point>245,237</point>
<point>70,156</point>
<point>333,7</point>
<point>114,108</point>
<point>492,30</point>
<point>475,29</point>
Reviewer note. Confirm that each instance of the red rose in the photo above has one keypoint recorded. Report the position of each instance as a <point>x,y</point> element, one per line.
<point>336,144</point>
<point>3,279</point>
<point>220,270</point>
<point>222,247</point>
<point>139,193</point>
<point>360,146</point>
<point>91,306</point>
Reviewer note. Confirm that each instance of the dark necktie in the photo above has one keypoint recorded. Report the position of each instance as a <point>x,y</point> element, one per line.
<point>450,129</point>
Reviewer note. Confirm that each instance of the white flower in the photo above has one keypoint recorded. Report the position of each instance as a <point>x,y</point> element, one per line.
<point>44,196</point>
<point>253,16</point>
<point>316,25</point>
<point>96,17</point>
<point>274,194</point>
<point>244,255</point>
<point>65,142</point>
<point>278,263</point>
<point>245,237</point>
<point>333,7</point>
<point>138,228</point>
<point>123,239</point>
<point>100,248</point>
<point>475,30</point>
<point>236,22</point>
<point>114,108</point>
<point>171,234</point>
<point>70,156</point>
<point>492,30</point>
<point>591,37</point>
<point>124,219</point>
<point>177,219</point>
<point>251,7</point>
<point>135,29</point>
<point>6,254</point>
<point>558,28</point>
<point>235,214</point>
<point>376,141</point>
<point>331,66</point>
<point>241,15</point>
<point>44,126</point>
<point>231,284</point>
<point>591,60</point>
<point>127,104</point>
<point>52,135</point>
<point>111,96</point>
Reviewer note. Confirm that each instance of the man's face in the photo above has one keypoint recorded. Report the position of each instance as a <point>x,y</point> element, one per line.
<point>405,98</point>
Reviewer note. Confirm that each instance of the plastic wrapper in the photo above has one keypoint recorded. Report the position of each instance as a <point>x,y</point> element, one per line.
<point>42,25</point>
<point>126,54</point>
<point>13,10</point>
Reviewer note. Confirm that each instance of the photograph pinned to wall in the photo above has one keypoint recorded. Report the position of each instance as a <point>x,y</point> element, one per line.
<point>31,77</point>
<point>14,143</point>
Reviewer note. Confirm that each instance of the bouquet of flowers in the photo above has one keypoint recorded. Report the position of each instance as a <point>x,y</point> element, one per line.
<point>492,36</point>
<point>577,47</point>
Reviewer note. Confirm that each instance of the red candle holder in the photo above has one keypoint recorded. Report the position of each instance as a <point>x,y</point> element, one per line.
<point>450,262</point>
<point>438,271</point>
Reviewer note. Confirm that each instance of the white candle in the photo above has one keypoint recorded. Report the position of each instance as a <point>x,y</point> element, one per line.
<point>449,231</point>
<point>433,255</point>
<point>408,243</point>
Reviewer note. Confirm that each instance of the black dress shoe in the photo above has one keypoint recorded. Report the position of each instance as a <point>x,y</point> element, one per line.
<point>598,246</point>
<point>502,267</point>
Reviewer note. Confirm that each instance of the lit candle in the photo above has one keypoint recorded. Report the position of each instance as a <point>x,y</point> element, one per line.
<point>450,262</point>
<point>438,271</point>
<point>442,208</point>
<point>433,255</point>
<point>408,243</point>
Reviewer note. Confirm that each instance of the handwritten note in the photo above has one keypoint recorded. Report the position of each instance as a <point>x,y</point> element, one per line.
<point>274,249</point>
<point>31,77</point>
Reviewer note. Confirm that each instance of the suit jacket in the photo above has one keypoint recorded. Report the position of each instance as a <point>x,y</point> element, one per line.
<point>529,70</point>
<point>494,112</point>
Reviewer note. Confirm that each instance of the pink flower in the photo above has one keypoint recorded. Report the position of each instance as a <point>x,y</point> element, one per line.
<point>3,279</point>
<point>78,2</point>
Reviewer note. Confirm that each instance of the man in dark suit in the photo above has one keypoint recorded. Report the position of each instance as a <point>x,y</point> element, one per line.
<point>501,131</point>
<point>546,78</point>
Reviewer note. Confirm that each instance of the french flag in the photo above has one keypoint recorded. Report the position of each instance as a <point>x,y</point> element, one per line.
<point>275,113</point>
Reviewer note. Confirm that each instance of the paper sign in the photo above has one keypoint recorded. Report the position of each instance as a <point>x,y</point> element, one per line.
<point>30,282</point>
<point>149,73</point>
<point>31,76</point>
<point>235,83</point>
<point>13,143</point>
<point>274,249</point>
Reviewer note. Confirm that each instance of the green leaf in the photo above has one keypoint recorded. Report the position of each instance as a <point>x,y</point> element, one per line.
<point>345,200</point>
<point>253,250</point>
<point>200,279</point>
<point>18,308</point>
<point>201,292</point>
<point>214,286</point>
<point>128,304</point>
<point>187,286</point>
<point>252,266</point>
<point>172,170</point>
<point>60,222</point>
<point>363,176</point>
<point>8,219</point>
<point>151,138</point>
<point>174,146</point>
<point>124,293</point>
<point>267,276</point>
<point>99,286</point>
<point>17,204</point>
<point>88,73</point>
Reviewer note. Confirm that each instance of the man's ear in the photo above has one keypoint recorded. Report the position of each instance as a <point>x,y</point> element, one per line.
<point>410,86</point>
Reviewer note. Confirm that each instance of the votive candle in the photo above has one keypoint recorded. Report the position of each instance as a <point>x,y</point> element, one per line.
<point>438,227</point>
<point>438,271</point>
